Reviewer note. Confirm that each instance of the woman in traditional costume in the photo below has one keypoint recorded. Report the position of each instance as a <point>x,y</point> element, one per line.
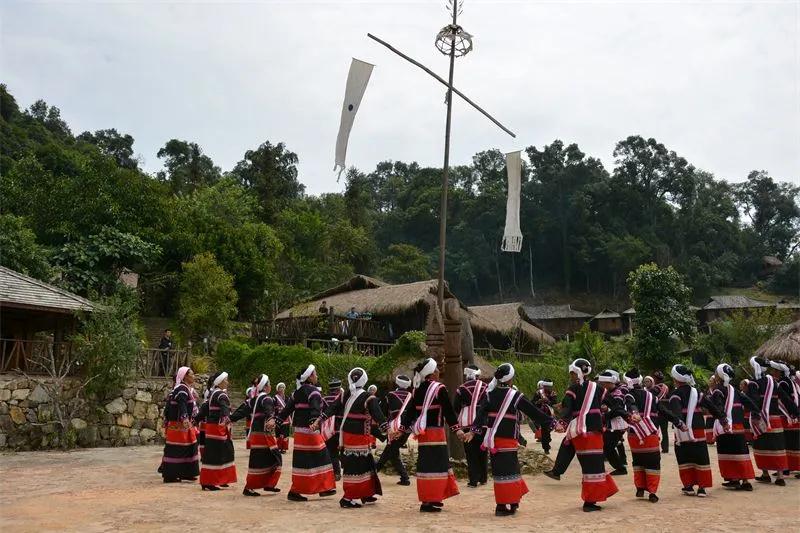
<point>497,422</point>
<point>264,467</point>
<point>312,471</point>
<point>218,469</point>
<point>425,416</point>
<point>282,431</point>
<point>181,456</point>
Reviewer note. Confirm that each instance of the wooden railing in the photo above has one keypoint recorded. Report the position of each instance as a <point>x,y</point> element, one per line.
<point>28,356</point>
<point>154,362</point>
<point>339,347</point>
<point>322,325</point>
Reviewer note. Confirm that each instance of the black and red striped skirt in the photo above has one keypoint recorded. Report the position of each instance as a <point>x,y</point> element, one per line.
<point>596,484</point>
<point>435,479</point>
<point>312,471</point>
<point>791,434</point>
<point>769,449</point>
<point>694,465</point>
<point>218,461</point>
<point>734,455</point>
<point>509,487</point>
<point>646,461</point>
<point>359,477</point>
<point>181,459</point>
<point>264,467</point>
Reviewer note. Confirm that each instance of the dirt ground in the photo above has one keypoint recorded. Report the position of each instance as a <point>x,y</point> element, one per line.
<point>118,489</point>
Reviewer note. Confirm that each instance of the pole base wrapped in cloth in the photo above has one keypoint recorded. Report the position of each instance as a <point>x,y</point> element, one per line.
<point>312,471</point>
<point>597,485</point>
<point>791,433</point>
<point>509,487</point>
<point>433,485</point>
<point>359,479</point>
<point>646,461</point>
<point>264,468</point>
<point>694,466</point>
<point>218,465</point>
<point>769,448</point>
<point>734,455</point>
<point>181,457</point>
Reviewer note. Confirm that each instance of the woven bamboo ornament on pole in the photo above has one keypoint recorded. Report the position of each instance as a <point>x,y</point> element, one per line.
<point>512,235</point>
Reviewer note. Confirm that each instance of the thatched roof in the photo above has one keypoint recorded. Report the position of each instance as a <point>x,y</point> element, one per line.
<point>21,291</point>
<point>629,311</point>
<point>771,261</point>
<point>784,346</point>
<point>551,312</point>
<point>506,319</point>
<point>606,313</point>
<point>734,302</point>
<point>368,294</point>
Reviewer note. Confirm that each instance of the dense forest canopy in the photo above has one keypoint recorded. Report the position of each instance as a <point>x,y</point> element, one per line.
<point>78,209</point>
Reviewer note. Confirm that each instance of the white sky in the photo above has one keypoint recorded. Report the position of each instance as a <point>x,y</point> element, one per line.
<point>715,81</point>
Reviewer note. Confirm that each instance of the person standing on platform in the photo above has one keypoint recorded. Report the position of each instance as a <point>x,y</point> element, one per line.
<point>312,471</point>
<point>425,416</point>
<point>394,404</point>
<point>330,430</point>
<point>468,397</point>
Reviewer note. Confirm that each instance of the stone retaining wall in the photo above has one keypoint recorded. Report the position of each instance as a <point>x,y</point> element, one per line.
<point>130,417</point>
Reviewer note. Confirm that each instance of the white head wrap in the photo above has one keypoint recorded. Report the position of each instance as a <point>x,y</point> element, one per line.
<point>471,373</point>
<point>722,369</point>
<point>506,376</point>
<point>359,383</point>
<point>573,367</point>
<point>777,365</point>
<point>181,374</point>
<point>681,378</point>
<point>402,382</point>
<point>305,375</point>
<point>222,377</point>
<point>758,370</point>
<point>263,382</point>
<point>427,370</point>
<point>280,386</point>
<point>608,376</point>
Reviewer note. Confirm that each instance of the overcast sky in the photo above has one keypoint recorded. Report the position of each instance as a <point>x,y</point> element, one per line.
<point>715,81</point>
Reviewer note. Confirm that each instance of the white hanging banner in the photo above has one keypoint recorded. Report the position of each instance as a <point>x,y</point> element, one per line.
<point>512,236</point>
<point>357,80</point>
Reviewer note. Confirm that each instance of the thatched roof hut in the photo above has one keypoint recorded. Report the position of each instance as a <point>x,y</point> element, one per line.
<point>557,320</point>
<point>721,307</point>
<point>784,346</point>
<point>503,325</point>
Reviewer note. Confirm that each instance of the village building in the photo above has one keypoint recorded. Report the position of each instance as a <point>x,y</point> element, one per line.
<point>721,307</point>
<point>560,321</point>
<point>506,326</point>
<point>608,322</point>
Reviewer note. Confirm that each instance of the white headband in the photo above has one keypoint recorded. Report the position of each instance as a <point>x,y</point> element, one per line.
<point>757,368</point>
<point>280,386</point>
<point>358,384</point>
<point>648,377</point>
<point>543,383</point>
<point>722,374</point>
<point>613,378</point>
<point>222,377</point>
<point>780,366</point>
<point>307,374</point>
<point>472,373</point>
<point>402,383</point>
<point>505,379</point>
<point>262,383</point>
<point>633,381</point>
<point>574,368</point>
<point>677,376</point>
<point>182,371</point>
<point>427,370</point>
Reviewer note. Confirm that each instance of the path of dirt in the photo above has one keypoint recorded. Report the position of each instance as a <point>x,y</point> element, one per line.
<point>118,489</point>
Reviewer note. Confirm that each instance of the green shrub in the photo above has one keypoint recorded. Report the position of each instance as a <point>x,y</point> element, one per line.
<point>528,374</point>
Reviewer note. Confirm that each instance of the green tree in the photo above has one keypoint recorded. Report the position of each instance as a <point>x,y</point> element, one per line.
<point>404,263</point>
<point>187,168</point>
<point>624,254</point>
<point>270,172</point>
<point>773,211</point>
<point>19,250</point>
<point>207,301</point>
<point>113,144</point>
<point>661,299</point>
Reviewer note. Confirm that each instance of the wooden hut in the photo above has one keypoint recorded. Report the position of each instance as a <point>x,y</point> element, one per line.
<point>558,320</point>
<point>34,317</point>
<point>608,322</point>
<point>721,307</point>
<point>504,326</point>
<point>384,312</point>
<point>785,346</point>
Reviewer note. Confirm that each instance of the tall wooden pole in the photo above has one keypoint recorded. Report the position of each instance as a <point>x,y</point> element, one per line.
<point>446,168</point>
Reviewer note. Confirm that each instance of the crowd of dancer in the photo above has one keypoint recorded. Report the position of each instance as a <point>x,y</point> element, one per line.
<point>335,435</point>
